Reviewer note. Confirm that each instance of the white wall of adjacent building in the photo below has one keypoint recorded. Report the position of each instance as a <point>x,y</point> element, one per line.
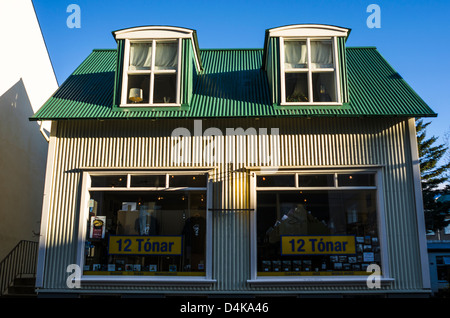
<point>27,80</point>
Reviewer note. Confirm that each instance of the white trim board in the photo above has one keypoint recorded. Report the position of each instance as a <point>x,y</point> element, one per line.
<point>308,30</point>
<point>153,32</point>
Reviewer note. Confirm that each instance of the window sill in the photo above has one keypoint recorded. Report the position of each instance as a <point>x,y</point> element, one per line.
<point>145,281</point>
<point>150,105</point>
<point>315,281</point>
<point>312,104</point>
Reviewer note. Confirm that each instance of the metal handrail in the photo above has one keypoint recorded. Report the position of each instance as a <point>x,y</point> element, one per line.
<point>21,260</point>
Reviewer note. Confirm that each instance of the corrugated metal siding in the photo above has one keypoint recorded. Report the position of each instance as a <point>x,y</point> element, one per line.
<point>273,69</point>
<point>377,75</point>
<point>342,56</point>
<point>187,72</point>
<point>234,85</point>
<point>118,73</point>
<point>301,142</point>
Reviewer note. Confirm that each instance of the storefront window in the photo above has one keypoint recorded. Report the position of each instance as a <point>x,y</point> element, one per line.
<point>143,232</point>
<point>330,232</point>
<point>443,268</point>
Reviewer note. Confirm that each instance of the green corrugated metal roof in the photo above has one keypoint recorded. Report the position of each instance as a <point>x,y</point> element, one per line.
<point>234,85</point>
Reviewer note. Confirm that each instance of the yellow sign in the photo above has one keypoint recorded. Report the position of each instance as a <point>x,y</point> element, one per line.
<point>145,245</point>
<point>311,245</point>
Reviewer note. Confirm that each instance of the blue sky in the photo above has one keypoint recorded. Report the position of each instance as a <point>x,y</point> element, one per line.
<point>414,35</point>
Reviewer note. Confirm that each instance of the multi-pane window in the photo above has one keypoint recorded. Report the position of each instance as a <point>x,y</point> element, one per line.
<point>146,225</point>
<point>152,73</point>
<point>309,71</point>
<point>443,268</point>
<point>317,224</point>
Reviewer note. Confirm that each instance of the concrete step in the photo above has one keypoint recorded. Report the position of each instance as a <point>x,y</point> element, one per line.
<point>22,287</point>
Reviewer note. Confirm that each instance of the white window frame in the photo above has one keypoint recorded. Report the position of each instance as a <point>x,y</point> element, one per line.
<point>315,280</point>
<point>152,72</point>
<point>143,280</point>
<point>309,72</point>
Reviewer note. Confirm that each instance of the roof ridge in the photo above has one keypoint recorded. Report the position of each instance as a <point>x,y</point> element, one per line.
<point>361,47</point>
<point>235,49</point>
<point>248,49</point>
<point>104,50</point>
<point>241,49</point>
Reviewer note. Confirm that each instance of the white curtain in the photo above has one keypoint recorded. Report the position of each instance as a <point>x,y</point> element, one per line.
<point>140,56</point>
<point>166,55</point>
<point>321,54</point>
<point>295,54</point>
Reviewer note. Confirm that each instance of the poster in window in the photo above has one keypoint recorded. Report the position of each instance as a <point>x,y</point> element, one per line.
<point>446,260</point>
<point>296,265</point>
<point>98,225</point>
<point>172,268</point>
<point>447,229</point>
<point>368,256</point>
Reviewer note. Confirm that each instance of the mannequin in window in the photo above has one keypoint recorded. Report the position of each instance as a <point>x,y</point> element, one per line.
<point>194,233</point>
<point>147,224</point>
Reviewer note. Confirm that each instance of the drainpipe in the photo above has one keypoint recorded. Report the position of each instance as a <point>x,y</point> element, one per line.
<point>41,129</point>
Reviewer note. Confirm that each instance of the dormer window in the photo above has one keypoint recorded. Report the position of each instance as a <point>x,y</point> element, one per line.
<point>307,63</point>
<point>155,67</point>
<point>309,71</point>
<point>152,76</point>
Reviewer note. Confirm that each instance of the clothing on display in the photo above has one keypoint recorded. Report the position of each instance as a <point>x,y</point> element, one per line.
<point>194,232</point>
<point>147,224</point>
